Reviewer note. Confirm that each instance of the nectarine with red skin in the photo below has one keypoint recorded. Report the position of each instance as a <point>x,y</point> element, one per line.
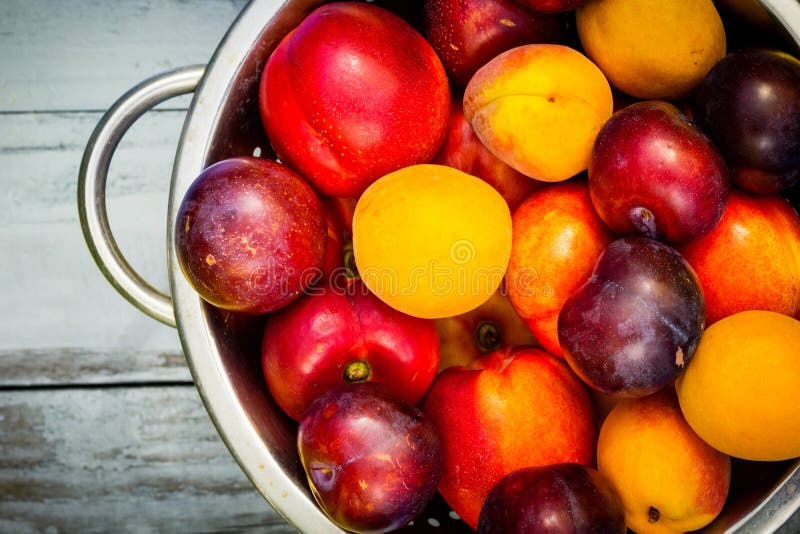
<point>510,409</point>
<point>751,259</point>
<point>653,173</point>
<point>335,335</point>
<point>351,94</point>
<point>250,235</point>
<point>372,462</point>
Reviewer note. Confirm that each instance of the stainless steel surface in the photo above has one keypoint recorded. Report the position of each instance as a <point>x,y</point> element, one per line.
<point>92,187</point>
<point>222,349</point>
<point>223,120</point>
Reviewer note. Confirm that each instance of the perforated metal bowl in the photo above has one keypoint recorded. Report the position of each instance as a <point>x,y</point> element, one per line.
<point>223,350</point>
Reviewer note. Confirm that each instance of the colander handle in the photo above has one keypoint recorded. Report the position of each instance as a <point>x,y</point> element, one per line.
<point>92,186</point>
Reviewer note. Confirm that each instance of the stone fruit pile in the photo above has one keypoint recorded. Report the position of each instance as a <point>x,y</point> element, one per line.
<point>534,256</point>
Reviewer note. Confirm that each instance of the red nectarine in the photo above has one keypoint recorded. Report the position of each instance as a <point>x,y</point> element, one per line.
<point>514,408</point>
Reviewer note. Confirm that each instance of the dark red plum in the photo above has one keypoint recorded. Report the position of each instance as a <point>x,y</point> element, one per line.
<point>552,499</point>
<point>653,173</point>
<point>466,34</point>
<point>749,105</point>
<point>373,462</point>
<point>634,325</point>
<point>335,335</point>
<point>250,235</point>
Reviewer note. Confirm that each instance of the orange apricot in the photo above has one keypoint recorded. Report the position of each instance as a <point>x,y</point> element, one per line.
<point>432,241</point>
<point>741,391</point>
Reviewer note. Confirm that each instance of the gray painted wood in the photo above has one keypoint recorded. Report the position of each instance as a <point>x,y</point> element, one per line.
<point>120,460</point>
<point>101,429</point>
<point>54,295</point>
<point>82,54</point>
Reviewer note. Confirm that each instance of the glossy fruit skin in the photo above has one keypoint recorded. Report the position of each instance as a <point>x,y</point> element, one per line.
<point>742,397</point>
<point>491,326</point>
<point>463,150</point>
<point>512,408</point>
<point>652,49</point>
<point>669,480</point>
<point>558,499</point>
<point>538,107</point>
<point>751,259</point>
<point>749,105</point>
<point>337,335</point>
<point>339,266</point>
<point>250,235</point>
<point>352,93</point>
<point>653,173</point>
<point>468,33</point>
<point>634,325</point>
<point>372,462</point>
<point>422,249</point>
<point>556,240</point>
<point>551,6</point>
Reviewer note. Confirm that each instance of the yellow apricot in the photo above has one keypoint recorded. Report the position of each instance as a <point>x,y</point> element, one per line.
<point>431,241</point>
<point>538,108</point>
<point>668,479</point>
<point>741,390</point>
<point>652,49</point>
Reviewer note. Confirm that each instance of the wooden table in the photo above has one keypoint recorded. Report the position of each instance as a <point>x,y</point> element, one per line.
<point>101,428</point>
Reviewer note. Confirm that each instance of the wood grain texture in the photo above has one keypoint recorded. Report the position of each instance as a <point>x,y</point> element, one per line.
<point>120,460</point>
<point>82,54</point>
<point>101,429</point>
<point>54,295</point>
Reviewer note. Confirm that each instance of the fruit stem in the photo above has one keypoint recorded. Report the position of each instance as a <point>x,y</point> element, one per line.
<point>644,221</point>
<point>488,336</point>
<point>349,260</point>
<point>357,371</point>
<point>653,515</point>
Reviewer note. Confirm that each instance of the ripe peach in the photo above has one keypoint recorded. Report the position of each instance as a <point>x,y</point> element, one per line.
<point>511,409</point>
<point>741,392</point>
<point>668,478</point>
<point>751,259</point>
<point>538,108</point>
<point>556,239</point>
<point>652,49</point>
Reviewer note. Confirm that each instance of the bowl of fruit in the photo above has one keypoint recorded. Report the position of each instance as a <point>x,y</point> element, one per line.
<point>500,265</point>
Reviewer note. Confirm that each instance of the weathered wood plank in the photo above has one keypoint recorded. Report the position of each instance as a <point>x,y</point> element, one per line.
<point>60,55</point>
<point>76,366</point>
<point>120,460</point>
<point>54,296</point>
